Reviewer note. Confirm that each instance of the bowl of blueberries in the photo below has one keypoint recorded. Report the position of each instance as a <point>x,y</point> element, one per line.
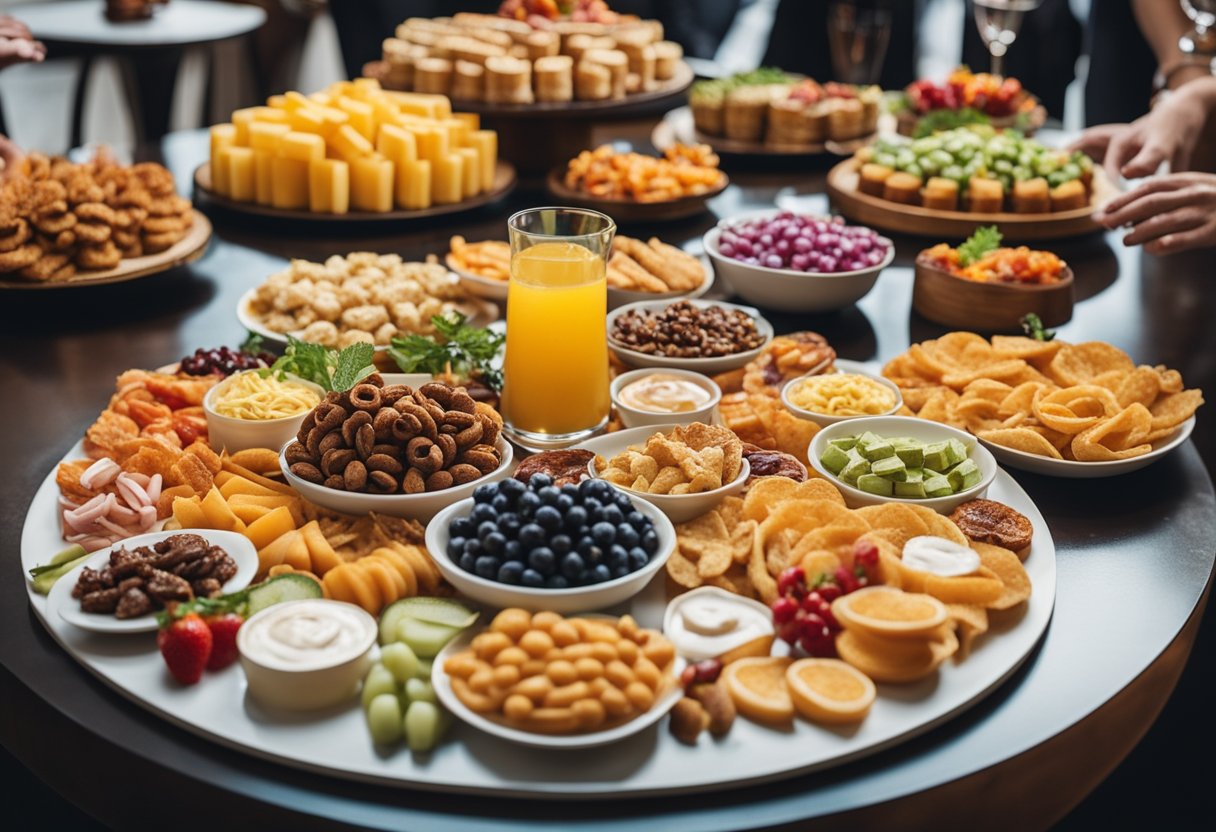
<point>534,545</point>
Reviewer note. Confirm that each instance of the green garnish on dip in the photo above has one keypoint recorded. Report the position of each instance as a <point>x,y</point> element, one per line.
<point>900,466</point>
<point>333,370</point>
<point>457,348</point>
<point>985,239</point>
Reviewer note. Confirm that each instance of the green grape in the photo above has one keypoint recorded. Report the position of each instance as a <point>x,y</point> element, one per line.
<point>400,660</point>
<point>423,726</point>
<point>379,680</point>
<point>420,690</point>
<point>384,719</point>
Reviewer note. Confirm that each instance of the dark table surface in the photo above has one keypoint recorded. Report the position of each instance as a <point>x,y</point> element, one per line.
<point>1135,554</point>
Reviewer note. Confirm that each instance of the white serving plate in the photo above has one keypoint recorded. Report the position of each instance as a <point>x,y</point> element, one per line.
<point>708,366</point>
<point>443,689</point>
<point>60,601</point>
<point>484,312</point>
<point>336,742</point>
<point>1072,469</point>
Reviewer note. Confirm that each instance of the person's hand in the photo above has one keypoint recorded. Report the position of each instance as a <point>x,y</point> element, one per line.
<point>20,50</point>
<point>1167,134</point>
<point>1167,214</point>
<point>11,27</point>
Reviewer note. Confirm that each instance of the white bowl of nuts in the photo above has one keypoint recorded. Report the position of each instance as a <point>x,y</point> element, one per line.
<point>701,335</point>
<point>395,450</point>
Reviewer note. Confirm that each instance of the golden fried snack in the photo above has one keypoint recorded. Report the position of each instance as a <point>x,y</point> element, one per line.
<point>46,267</point>
<point>104,256</point>
<point>19,258</point>
<point>14,235</point>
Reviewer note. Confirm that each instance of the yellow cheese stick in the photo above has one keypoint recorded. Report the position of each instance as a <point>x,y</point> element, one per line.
<point>360,115</point>
<point>432,144</point>
<point>307,120</point>
<point>447,179</point>
<point>486,142</point>
<point>241,181</point>
<point>263,177</point>
<point>396,144</point>
<point>371,184</point>
<point>414,185</point>
<point>289,188</point>
<point>328,186</point>
<point>470,170</point>
<point>221,166</point>
<point>303,146</point>
<point>473,120</point>
<point>265,135</point>
<point>349,144</point>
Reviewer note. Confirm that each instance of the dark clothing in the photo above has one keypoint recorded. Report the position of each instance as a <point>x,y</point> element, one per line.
<point>1121,64</point>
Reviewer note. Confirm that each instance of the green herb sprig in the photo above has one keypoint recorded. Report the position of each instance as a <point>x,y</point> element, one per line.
<point>329,368</point>
<point>457,348</point>
<point>985,239</point>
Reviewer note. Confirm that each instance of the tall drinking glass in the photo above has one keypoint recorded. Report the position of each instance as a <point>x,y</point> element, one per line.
<point>555,373</point>
<point>999,22</point>
<point>1200,41</point>
<point>858,34</point>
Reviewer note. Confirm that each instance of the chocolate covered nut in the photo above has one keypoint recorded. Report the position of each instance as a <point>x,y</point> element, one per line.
<point>307,471</point>
<point>355,476</point>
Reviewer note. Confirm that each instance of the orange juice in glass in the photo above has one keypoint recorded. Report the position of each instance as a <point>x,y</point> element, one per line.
<point>555,372</point>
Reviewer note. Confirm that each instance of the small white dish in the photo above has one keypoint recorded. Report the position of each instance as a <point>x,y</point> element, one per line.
<point>679,508</point>
<point>709,366</point>
<point>232,434</point>
<point>476,284</point>
<point>565,601</point>
<point>411,506</point>
<point>632,417</point>
<point>755,618</point>
<point>622,297</point>
<point>442,684</point>
<point>1072,469</point>
<point>893,426</point>
<point>788,289</point>
<point>61,602</point>
<point>842,367</point>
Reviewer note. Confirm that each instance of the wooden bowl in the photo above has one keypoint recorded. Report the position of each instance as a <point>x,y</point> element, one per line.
<point>629,210</point>
<point>988,307</point>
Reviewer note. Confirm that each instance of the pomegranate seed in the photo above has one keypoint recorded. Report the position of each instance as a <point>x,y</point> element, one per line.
<point>847,580</point>
<point>812,625</point>
<point>865,553</point>
<point>788,632</point>
<point>829,592</point>
<point>792,581</point>
<point>784,609</point>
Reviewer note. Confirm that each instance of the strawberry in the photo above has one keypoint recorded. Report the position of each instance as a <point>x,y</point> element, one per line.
<point>185,644</point>
<point>223,639</point>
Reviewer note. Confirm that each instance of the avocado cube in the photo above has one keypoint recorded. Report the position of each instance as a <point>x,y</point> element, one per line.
<point>874,447</point>
<point>914,475</point>
<point>844,442</point>
<point>834,459</point>
<point>936,457</point>
<point>913,455</point>
<point>874,484</point>
<point>857,466</point>
<point>964,475</point>
<point>892,468</point>
<point>912,488</point>
<point>938,486</point>
<point>956,451</point>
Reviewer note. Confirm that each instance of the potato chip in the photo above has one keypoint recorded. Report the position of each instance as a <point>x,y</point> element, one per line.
<point>700,436</point>
<point>915,398</point>
<point>1119,437</point>
<point>757,571</point>
<point>709,526</point>
<point>1171,380</point>
<point>803,516</point>
<point>791,434</point>
<point>683,571</point>
<point>970,622</point>
<point>765,494</point>
<point>1174,409</point>
<point>939,525</point>
<point>716,556</point>
<point>1078,363</point>
<point>836,538</point>
<point>778,552</point>
<point>1142,386</point>
<point>983,587</point>
<point>942,407</point>
<point>1036,352</point>
<point>987,389</point>
<point>1021,439</point>
<point>261,460</point>
<point>741,540</point>
<point>731,511</point>
<point>896,522</point>
<point>1007,369</point>
<point>1008,567</point>
<point>1021,399</point>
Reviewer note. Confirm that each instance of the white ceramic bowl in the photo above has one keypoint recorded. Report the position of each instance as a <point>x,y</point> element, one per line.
<point>631,417</point>
<point>893,426</point>
<point>621,297</point>
<point>412,506</point>
<point>231,434</point>
<point>709,366</point>
<point>842,367</point>
<point>565,601</point>
<point>679,508</point>
<point>60,599</point>
<point>314,682</point>
<point>475,284</point>
<point>787,289</point>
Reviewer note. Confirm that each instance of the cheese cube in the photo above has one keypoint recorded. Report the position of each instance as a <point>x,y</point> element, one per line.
<point>396,144</point>
<point>458,132</point>
<point>293,101</point>
<point>473,120</point>
<point>277,102</point>
<point>272,114</point>
<point>432,144</point>
<point>241,119</point>
<point>289,188</point>
<point>447,179</point>
<point>365,89</point>
<point>303,146</point>
<point>307,120</point>
<point>386,112</point>
<point>222,135</point>
<point>220,168</point>
<point>360,114</point>
<point>422,104</point>
<point>328,186</point>
<point>414,185</point>
<point>265,135</point>
<point>371,184</point>
<point>470,172</point>
<point>486,142</point>
<point>350,144</point>
<point>241,182</point>
<point>263,176</point>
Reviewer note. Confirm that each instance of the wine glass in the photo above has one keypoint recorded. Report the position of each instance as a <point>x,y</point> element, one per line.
<point>999,22</point>
<point>858,34</point>
<point>1200,41</point>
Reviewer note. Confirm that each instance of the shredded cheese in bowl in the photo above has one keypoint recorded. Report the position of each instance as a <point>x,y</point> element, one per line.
<point>259,397</point>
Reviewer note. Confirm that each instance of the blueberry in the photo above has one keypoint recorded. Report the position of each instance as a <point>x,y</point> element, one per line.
<point>485,492</point>
<point>531,536</point>
<point>594,555</point>
<point>587,488</point>
<point>455,547</point>
<point>509,524</point>
<point>472,546</point>
<point>468,562</point>
<point>560,544</point>
<point>501,503</point>
<point>494,543</point>
<point>511,572</point>
<point>513,550</point>
<point>483,512</point>
<point>463,527</point>
<point>548,518</point>
<point>564,503</point>
<point>650,541</point>
<point>573,565</point>
<point>483,529</point>
<point>638,558</point>
<point>512,488</point>
<point>638,520</point>
<point>543,560</point>
<point>613,514</point>
<point>528,502</point>
<point>621,571</point>
<point>556,582</point>
<point>570,490</point>
<point>600,490</point>
<point>548,495</point>
<point>604,534</point>
<point>583,579</point>
<point>622,501</point>
<point>531,577</point>
<point>486,566</point>
<point>585,544</point>
<point>575,517</point>
<point>627,536</point>
<point>601,573</point>
<point>538,481</point>
<point>618,557</point>
<point>592,505</point>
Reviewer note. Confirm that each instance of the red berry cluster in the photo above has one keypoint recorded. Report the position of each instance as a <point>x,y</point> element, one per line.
<point>803,614</point>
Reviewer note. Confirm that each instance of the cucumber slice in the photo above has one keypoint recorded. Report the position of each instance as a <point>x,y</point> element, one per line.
<point>282,588</point>
<point>44,577</point>
<point>442,611</point>
<point>425,638</point>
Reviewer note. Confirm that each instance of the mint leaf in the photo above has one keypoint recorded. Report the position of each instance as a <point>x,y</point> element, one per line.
<point>985,239</point>
<point>353,363</point>
<point>457,348</point>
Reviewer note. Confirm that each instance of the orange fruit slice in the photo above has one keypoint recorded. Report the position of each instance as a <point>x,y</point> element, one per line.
<point>891,660</point>
<point>830,691</point>
<point>761,646</point>
<point>890,612</point>
<point>757,686</point>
